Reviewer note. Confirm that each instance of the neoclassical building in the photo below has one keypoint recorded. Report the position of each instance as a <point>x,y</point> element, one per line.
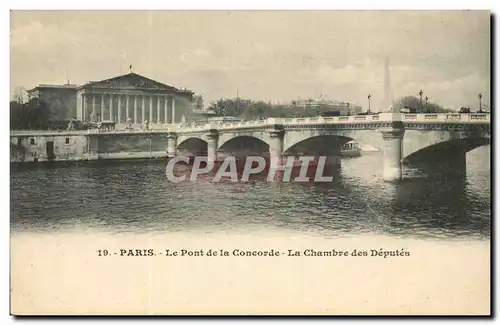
<point>133,96</point>
<point>118,99</point>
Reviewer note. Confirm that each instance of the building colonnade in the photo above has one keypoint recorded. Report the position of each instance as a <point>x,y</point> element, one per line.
<point>118,107</point>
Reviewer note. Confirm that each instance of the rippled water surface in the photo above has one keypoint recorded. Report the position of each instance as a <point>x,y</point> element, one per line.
<point>124,196</point>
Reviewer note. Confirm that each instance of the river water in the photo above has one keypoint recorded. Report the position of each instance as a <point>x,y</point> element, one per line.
<point>63,216</point>
<point>131,196</point>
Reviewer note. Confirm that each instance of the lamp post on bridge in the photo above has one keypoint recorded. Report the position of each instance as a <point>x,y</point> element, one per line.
<point>369,104</point>
<point>480,96</point>
<point>426,100</point>
<point>421,93</point>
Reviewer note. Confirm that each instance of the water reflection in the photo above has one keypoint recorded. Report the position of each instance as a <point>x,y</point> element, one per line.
<point>121,196</point>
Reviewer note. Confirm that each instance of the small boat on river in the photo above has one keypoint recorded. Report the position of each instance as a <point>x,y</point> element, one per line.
<point>350,149</point>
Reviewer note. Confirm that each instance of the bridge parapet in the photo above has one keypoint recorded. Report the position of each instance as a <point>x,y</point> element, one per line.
<point>382,117</point>
<point>478,118</point>
<point>443,118</point>
<point>360,120</point>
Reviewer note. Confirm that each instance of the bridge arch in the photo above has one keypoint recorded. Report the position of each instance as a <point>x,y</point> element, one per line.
<point>248,144</point>
<point>193,145</point>
<point>445,150</point>
<point>418,145</point>
<point>326,144</point>
<point>336,138</point>
<point>443,159</point>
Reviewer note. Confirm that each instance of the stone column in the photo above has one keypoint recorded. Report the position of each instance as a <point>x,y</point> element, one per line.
<point>136,117</point>
<point>127,107</point>
<point>212,142</point>
<point>166,110</point>
<point>150,109</point>
<point>84,107</point>
<point>111,116</point>
<point>171,145</point>
<point>93,107</point>
<point>275,147</point>
<point>101,118</point>
<point>392,152</point>
<point>143,112</point>
<point>119,108</point>
<point>173,109</point>
<point>158,109</point>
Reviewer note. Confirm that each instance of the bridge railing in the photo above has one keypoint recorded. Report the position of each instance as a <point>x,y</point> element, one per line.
<point>447,118</point>
<point>332,120</point>
<point>381,117</point>
<point>472,118</point>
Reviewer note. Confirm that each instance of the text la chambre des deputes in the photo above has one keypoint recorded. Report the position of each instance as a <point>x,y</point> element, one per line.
<point>309,252</point>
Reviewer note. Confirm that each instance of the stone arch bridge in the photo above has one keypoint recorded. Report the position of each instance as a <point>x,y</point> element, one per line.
<point>437,142</point>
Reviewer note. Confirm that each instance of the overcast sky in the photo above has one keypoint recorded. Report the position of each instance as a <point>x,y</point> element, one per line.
<point>277,56</point>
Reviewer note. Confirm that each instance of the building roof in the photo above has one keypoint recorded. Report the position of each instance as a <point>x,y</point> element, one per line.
<point>131,80</point>
<point>47,86</point>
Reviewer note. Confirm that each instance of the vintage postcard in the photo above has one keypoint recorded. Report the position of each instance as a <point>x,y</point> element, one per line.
<point>250,162</point>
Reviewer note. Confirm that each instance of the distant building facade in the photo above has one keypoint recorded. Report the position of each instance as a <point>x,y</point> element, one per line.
<point>344,108</point>
<point>118,99</point>
<point>61,100</point>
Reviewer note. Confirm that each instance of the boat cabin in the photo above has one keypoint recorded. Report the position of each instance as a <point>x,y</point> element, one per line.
<point>352,145</point>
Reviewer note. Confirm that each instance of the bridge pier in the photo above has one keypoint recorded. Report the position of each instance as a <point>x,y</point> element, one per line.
<point>212,145</point>
<point>275,147</point>
<point>392,152</point>
<point>171,145</point>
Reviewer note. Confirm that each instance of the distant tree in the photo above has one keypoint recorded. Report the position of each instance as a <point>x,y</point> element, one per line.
<point>31,115</point>
<point>17,115</point>
<point>256,110</point>
<point>198,102</point>
<point>413,103</point>
<point>249,109</point>
<point>20,95</point>
<point>230,107</point>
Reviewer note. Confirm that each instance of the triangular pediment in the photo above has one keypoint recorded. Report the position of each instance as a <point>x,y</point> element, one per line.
<point>130,81</point>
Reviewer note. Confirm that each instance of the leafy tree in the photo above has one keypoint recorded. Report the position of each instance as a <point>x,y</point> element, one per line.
<point>17,114</point>
<point>413,103</point>
<point>198,102</point>
<point>230,107</point>
<point>249,109</point>
<point>20,95</point>
<point>31,115</point>
<point>256,110</point>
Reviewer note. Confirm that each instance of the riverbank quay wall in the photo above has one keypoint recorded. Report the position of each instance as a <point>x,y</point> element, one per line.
<point>82,146</point>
